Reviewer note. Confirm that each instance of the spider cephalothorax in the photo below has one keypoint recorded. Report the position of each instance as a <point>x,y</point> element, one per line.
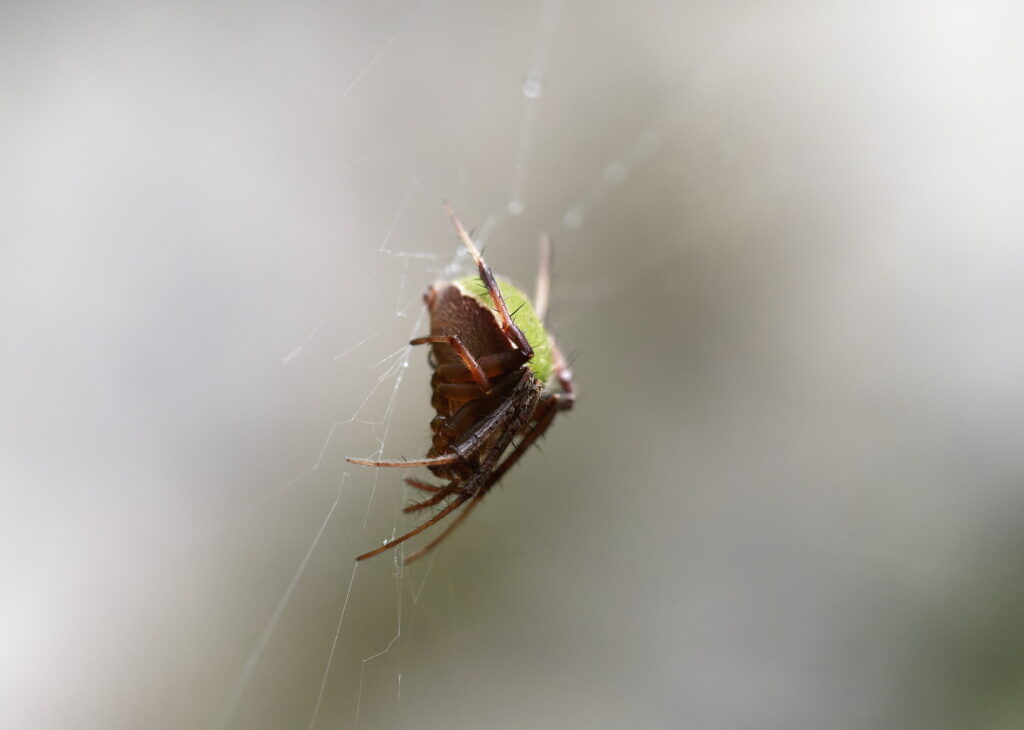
<point>492,361</point>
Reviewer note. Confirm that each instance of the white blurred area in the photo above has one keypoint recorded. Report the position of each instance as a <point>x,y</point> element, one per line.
<point>789,263</point>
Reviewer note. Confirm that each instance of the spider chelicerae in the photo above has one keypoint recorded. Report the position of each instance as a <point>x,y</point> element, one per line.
<point>492,367</point>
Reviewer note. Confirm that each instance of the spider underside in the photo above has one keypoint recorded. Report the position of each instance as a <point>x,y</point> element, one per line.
<point>485,392</point>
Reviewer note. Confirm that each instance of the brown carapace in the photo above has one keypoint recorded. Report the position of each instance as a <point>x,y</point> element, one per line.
<point>489,388</point>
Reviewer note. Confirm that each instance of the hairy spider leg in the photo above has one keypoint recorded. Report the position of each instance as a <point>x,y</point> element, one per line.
<point>417,530</point>
<point>431,501</point>
<point>550,405</point>
<point>454,523</point>
<point>510,328</point>
<point>439,494</point>
<point>531,433</point>
<point>418,484</point>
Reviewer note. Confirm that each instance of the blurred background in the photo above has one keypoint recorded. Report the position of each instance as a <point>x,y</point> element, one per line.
<point>788,266</point>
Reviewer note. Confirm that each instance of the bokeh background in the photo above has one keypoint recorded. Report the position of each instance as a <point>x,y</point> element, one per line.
<point>789,266</point>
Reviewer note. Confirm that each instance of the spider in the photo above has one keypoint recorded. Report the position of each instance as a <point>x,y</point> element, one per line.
<point>489,386</point>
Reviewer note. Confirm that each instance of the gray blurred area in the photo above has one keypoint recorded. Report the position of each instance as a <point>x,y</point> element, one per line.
<point>789,268</point>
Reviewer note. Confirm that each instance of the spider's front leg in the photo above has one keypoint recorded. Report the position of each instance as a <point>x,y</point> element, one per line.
<point>508,326</point>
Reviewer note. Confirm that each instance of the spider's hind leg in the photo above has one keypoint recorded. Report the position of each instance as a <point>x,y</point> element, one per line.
<point>421,485</point>
<point>416,530</point>
<point>440,495</point>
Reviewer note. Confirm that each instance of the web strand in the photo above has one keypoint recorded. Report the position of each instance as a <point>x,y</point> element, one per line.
<point>239,685</point>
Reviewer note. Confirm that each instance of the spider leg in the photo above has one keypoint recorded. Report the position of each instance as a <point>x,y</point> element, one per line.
<point>416,530</point>
<point>422,485</point>
<point>510,328</point>
<point>479,376</point>
<point>448,530</point>
<point>428,461</point>
<point>546,411</point>
<point>481,432</point>
<point>440,496</point>
<point>550,406</point>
